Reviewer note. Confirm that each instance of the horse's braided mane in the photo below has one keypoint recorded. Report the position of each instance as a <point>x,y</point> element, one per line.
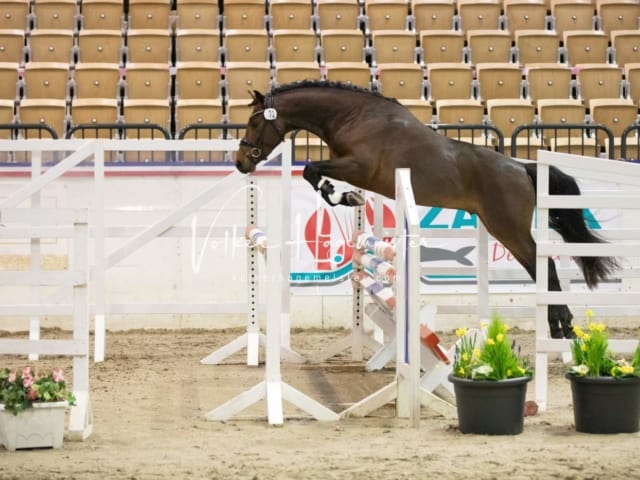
<point>327,84</point>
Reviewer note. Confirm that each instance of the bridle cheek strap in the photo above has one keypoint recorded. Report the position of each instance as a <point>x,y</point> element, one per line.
<point>270,115</point>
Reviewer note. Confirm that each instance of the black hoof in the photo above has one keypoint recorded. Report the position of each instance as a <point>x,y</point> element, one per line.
<point>567,331</point>
<point>556,331</point>
<point>352,199</point>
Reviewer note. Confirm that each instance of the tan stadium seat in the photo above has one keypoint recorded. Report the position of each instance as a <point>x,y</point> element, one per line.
<point>46,45</point>
<point>430,15</point>
<point>572,15</point>
<point>244,14</point>
<point>197,45</point>
<point>598,80</point>
<point>102,15</point>
<point>586,46</point>
<point>537,46</point>
<point>386,14</point>
<point>499,80</point>
<point>449,80</point>
<point>153,14</point>
<point>290,14</point>
<point>56,14</point>
<point>548,80</point>
<point>197,14</point>
<point>442,46</point>
<point>147,81</point>
<point>246,46</point>
<point>148,45</point>
<point>337,14</point>
<point>97,80</point>
<point>101,46</point>
<point>198,80</point>
<point>401,80</point>
<point>393,46</point>
<point>295,45</point>
<point>489,46</point>
<point>342,45</point>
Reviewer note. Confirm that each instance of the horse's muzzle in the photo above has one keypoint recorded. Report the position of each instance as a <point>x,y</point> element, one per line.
<point>245,165</point>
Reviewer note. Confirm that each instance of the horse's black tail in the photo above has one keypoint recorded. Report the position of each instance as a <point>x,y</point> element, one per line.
<point>570,224</point>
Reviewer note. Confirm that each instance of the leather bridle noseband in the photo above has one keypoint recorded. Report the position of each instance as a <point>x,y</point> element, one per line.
<point>270,115</point>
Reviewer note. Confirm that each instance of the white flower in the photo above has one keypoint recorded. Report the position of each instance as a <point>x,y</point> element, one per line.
<point>581,370</point>
<point>482,370</point>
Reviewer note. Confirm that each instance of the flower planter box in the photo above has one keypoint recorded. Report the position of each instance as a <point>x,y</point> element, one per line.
<point>490,407</point>
<point>39,427</point>
<point>605,404</point>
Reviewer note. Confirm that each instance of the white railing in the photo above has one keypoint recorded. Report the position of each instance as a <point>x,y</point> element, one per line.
<point>623,243</point>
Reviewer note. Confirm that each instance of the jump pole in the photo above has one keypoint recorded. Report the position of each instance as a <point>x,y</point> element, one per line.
<point>405,388</point>
<point>272,389</point>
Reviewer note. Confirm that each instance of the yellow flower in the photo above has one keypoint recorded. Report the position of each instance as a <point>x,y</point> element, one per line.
<point>461,332</point>
<point>578,331</point>
<point>465,356</point>
<point>583,347</point>
<point>586,337</point>
<point>626,369</point>
<point>499,337</point>
<point>490,341</point>
<point>476,352</point>
<point>461,371</point>
<point>589,313</point>
<point>505,328</point>
<point>597,327</point>
<point>509,373</point>
<point>521,370</point>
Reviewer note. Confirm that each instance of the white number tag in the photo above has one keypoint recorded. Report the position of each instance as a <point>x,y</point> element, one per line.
<point>270,113</point>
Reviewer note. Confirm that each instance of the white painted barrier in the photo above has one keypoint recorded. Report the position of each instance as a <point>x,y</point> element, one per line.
<point>405,389</point>
<point>72,224</point>
<point>89,156</point>
<point>625,244</point>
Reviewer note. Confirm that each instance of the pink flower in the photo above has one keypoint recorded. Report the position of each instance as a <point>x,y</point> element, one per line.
<point>27,380</point>
<point>57,375</point>
<point>26,372</point>
<point>32,394</point>
<point>12,377</point>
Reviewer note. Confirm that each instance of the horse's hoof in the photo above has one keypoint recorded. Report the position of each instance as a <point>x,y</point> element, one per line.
<point>567,331</point>
<point>556,331</point>
<point>352,199</point>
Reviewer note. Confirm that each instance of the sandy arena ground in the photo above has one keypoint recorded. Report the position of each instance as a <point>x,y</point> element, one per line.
<point>150,397</point>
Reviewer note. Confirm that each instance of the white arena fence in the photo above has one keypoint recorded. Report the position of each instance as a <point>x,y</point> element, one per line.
<point>38,225</point>
<point>623,180</point>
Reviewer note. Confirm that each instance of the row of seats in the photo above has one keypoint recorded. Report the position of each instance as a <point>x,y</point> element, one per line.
<point>373,15</point>
<point>390,46</point>
<point>207,80</point>
<point>370,15</point>
<point>566,117</point>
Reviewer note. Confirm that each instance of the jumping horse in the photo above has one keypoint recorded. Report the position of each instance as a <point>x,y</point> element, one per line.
<point>370,135</point>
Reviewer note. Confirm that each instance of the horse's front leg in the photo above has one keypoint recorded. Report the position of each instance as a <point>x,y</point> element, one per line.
<point>318,174</point>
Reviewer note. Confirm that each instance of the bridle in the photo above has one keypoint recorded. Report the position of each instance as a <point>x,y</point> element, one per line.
<point>270,114</point>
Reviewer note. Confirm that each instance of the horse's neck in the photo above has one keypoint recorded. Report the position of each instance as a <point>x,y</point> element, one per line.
<point>319,114</point>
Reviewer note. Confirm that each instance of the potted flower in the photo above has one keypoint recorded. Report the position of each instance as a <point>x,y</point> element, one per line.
<point>490,381</point>
<point>32,408</point>
<point>605,389</point>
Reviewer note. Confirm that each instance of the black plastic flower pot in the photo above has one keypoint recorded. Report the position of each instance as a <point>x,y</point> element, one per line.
<point>490,407</point>
<point>605,404</point>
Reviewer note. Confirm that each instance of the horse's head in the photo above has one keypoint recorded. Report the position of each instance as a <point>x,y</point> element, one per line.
<point>262,135</point>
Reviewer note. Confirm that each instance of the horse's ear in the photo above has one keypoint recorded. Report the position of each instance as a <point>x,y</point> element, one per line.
<point>258,98</point>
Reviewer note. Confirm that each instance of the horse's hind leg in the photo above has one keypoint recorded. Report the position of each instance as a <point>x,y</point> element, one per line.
<point>316,174</point>
<point>512,226</point>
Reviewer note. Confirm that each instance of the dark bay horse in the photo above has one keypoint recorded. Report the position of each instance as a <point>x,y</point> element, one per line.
<point>369,136</point>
